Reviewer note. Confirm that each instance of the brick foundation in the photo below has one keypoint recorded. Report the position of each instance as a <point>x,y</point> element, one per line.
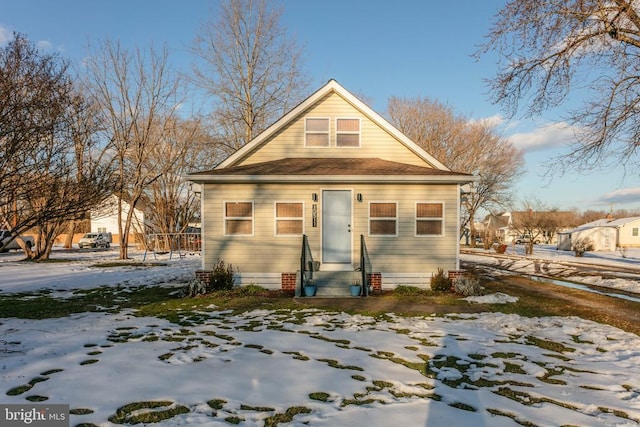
<point>203,275</point>
<point>288,281</point>
<point>454,274</point>
<point>375,280</point>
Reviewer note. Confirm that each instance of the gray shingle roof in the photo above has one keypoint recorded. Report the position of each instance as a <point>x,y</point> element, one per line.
<point>328,166</point>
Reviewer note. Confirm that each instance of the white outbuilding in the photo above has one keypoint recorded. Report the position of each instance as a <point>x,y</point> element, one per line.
<point>606,234</point>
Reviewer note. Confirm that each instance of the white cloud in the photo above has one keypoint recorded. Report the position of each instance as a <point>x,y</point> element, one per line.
<point>44,45</point>
<point>5,35</point>
<point>622,196</point>
<point>495,120</point>
<point>550,136</point>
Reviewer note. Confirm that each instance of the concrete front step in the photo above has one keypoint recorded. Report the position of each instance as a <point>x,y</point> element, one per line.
<point>335,283</point>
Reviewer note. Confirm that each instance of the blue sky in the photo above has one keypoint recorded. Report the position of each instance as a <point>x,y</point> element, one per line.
<point>375,48</point>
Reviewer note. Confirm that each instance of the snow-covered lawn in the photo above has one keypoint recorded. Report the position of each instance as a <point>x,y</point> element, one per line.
<point>308,367</point>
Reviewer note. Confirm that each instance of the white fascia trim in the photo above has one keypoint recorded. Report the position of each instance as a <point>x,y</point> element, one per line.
<point>399,179</point>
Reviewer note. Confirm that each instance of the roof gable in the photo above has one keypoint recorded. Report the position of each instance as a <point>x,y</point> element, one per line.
<point>244,154</point>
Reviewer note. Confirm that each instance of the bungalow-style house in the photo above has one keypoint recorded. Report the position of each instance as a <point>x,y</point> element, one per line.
<point>605,234</point>
<point>331,187</point>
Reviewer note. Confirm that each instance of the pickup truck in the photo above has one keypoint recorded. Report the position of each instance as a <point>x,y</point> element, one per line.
<point>95,240</point>
<point>5,239</point>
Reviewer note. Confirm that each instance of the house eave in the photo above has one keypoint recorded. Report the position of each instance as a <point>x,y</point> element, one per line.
<point>386,179</point>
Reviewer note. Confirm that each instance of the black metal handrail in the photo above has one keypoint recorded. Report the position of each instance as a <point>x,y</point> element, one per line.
<point>306,264</point>
<point>365,266</point>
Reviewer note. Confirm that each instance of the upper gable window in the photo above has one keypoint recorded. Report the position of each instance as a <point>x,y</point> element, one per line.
<point>347,132</point>
<point>316,132</point>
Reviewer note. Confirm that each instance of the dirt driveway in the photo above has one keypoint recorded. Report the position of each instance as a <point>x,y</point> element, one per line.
<point>534,296</point>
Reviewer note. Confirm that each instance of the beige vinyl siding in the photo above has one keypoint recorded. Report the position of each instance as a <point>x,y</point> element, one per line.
<point>406,253</point>
<point>266,252</point>
<point>374,141</point>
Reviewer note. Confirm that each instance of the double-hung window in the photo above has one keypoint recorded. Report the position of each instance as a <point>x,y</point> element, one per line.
<point>316,132</point>
<point>289,218</point>
<point>383,219</point>
<point>429,219</point>
<point>347,132</point>
<point>238,218</point>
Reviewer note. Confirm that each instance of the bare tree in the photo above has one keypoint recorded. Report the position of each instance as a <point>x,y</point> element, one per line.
<point>138,96</point>
<point>534,221</point>
<point>34,90</point>
<point>181,149</point>
<point>250,66</point>
<point>43,186</point>
<point>549,50</point>
<point>464,146</point>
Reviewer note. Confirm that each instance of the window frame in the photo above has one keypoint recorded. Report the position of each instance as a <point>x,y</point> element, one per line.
<point>370,218</point>
<point>276,218</point>
<point>358,132</point>
<point>634,232</point>
<point>418,219</point>
<point>327,133</point>
<point>225,218</point>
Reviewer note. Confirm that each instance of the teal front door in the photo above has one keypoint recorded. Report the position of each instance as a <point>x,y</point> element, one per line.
<point>336,229</point>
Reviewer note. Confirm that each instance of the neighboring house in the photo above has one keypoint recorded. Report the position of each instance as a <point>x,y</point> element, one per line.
<point>104,219</point>
<point>606,234</point>
<point>332,170</point>
<point>504,226</point>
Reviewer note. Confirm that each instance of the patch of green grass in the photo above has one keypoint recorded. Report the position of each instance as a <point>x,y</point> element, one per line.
<point>216,404</point>
<point>147,412</point>
<point>618,413</point>
<point>41,305</point>
<point>319,396</point>
<point>578,340</point>
<point>36,398</point>
<point>89,362</point>
<point>129,264</point>
<point>548,345</point>
<point>51,371</point>
<point>256,408</point>
<point>297,355</point>
<point>80,411</point>
<point>463,406</point>
<point>335,364</point>
<point>287,417</point>
<point>16,391</point>
<point>514,417</point>
<point>514,368</point>
<point>418,366</point>
<point>528,400</point>
<point>233,420</point>
<point>358,377</point>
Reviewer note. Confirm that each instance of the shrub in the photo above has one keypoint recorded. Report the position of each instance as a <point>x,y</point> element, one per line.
<point>221,278</point>
<point>440,282</point>
<point>500,248</point>
<point>194,288</point>
<point>251,290</point>
<point>467,286</point>
<point>582,245</point>
<point>407,290</point>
